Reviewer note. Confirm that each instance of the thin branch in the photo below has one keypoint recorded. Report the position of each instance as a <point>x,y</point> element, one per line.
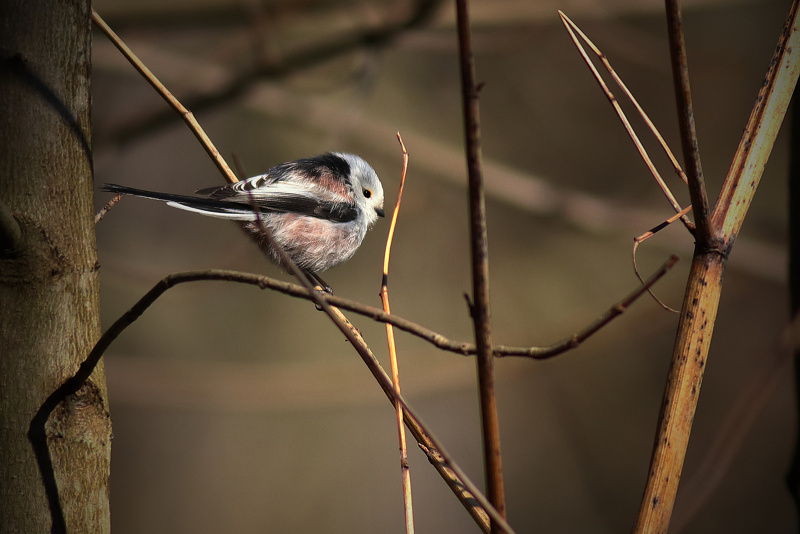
<point>110,204</point>
<point>573,29</point>
<point>187,115</point>
<point>683,97</point>
<point>479,248</point>
<point>464,489</point>
<point>434,338</point>
<point>405,469</point>
<point>647,235</point>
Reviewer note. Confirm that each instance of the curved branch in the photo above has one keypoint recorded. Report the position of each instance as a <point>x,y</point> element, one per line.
<point>434,451</point>
<point>434,338</point>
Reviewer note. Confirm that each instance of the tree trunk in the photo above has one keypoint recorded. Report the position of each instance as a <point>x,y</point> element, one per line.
<point>48,273</point>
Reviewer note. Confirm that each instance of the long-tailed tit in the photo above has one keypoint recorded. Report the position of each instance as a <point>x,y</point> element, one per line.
<point>317,209</point>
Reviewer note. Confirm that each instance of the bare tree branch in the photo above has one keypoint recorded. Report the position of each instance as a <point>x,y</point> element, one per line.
<point>683,97</point>
<point>479,249</point>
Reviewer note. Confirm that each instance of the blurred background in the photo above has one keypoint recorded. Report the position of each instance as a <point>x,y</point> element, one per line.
<point>241,410</point>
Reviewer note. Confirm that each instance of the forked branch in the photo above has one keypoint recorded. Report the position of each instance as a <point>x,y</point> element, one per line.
<point>704,286</point>
<point>574,32</point>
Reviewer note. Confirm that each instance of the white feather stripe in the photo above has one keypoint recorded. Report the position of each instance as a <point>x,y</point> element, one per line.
<point>232,215</point>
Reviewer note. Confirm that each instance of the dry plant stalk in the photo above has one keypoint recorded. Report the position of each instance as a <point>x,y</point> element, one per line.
<point>714,241</point>
<point>702,295</point>
<point>405,469</point>
<point>574,32</point>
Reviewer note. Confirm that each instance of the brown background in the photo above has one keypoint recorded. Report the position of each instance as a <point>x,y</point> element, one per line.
<point>237,410</point>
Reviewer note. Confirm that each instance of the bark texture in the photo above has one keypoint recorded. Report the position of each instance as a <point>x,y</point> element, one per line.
<point>49,316</point>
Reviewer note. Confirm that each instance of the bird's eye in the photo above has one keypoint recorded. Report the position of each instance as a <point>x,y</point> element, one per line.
<point>367,193</point>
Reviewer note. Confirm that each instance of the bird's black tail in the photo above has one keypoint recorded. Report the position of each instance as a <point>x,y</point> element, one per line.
<point>205,206</point>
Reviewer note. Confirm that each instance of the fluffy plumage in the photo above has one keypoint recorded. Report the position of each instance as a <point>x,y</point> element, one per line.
<point>317,209</point>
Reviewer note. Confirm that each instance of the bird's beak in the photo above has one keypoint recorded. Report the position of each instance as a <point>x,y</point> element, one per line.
<point>380,212</point>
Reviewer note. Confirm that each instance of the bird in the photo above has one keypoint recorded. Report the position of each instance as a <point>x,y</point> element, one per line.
<point>317,209</point>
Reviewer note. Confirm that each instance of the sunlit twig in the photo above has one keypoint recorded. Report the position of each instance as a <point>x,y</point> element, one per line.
<point>384,294</point>
<point>187,115</point>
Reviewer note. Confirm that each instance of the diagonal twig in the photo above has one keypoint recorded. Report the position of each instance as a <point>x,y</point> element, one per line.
<point>187,115</point>
<point>110,204</point>
<point>574,32</point>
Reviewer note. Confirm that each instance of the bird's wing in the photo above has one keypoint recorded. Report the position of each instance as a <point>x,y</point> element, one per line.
<point>304,198</point>
<point>242,206</point>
